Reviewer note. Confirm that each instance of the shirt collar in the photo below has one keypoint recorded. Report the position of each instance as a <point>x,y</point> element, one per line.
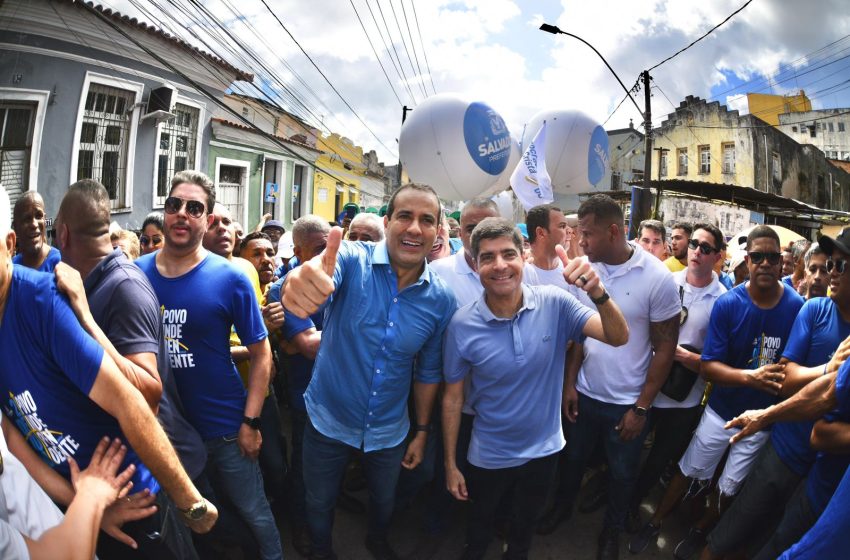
<point>527,303</point>
<point>97,273</point>
<point>380,255</point>
<point>461,266</point>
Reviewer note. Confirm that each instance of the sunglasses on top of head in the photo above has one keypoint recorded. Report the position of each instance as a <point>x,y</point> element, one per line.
<point>758,257</point>
<point>194,208</point>
<point>703,247</point>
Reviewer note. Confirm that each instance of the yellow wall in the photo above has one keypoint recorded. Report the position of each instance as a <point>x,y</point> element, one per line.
<point>769,107</point>
<point>338,153</point>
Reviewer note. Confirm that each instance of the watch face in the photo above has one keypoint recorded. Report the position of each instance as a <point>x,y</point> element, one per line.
<point>197,511</point>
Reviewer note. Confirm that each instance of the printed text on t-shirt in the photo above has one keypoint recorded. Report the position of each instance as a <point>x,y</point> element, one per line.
<point>172,324</point>
<point>54,447</point>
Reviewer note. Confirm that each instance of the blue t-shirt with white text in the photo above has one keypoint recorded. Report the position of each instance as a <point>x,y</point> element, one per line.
<point>817,332</point>
<point>198,310</point>
<point>48,367</point>
<point>744,336</point>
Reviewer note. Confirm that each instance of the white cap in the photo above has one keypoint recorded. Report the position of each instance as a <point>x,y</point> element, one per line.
<point>285,246</point>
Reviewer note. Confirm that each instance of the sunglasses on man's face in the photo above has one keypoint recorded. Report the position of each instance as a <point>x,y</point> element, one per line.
<point>704,247</point>
<point>194,208</point>
<point>839,265</point>
<point>758,257</point>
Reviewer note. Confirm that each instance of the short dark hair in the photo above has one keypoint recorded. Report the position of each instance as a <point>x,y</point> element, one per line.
<point>199,179</point>
<point>538,217</point>
<point>815,249</point>
<point>417,187</point>
<point>654,225</point>
<point>719,240</point>
<point>759,232</point>
<point>255,235</point>
<point>685,226</point>
<point>604,209</point>
<point>493,228</point>
<point>155,218</point>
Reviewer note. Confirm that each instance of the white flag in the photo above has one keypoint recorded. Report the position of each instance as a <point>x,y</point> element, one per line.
<point>530,181</point>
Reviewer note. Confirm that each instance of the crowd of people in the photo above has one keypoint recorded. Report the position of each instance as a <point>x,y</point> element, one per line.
<point>216,386</point>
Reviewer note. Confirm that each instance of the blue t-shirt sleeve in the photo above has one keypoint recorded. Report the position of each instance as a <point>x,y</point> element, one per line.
<point>717,338</point>
<point>273,295</point>
<point>292,325</point>
<point>797,347</point>
<point>76,353</point>
<point>247,318</point>
<point>842,395</point>
<point>455,364</point>
<point>429,366</point>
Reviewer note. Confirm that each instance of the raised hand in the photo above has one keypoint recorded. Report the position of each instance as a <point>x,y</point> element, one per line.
<point>579,273</point>
<point>308,286</point>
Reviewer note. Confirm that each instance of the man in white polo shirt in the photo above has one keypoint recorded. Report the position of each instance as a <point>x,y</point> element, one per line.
<point>547,228</point>
<point>609,398</point>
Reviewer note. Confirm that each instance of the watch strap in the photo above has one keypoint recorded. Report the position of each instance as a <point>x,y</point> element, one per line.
<point>601,299</point>
<point>422,428</point>
<point>252,422</point>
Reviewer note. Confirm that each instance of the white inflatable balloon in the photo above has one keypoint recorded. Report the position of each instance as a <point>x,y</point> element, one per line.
<point>576,150</point>
<point>504,180</point>
<point>458,148</point>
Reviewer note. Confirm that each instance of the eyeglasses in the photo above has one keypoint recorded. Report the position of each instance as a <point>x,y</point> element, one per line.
<point>145,240</point>
<point>757,257</point>
<point>704,247</point>
<point>194,208</point>
<point>838,264</point>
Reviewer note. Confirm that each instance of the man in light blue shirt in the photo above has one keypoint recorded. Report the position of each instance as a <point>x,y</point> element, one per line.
<point>387,314</point>
<point>512,343</point>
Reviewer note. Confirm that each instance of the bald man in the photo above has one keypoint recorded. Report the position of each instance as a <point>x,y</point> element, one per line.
<point>126,321</point>
<point>28,221</point>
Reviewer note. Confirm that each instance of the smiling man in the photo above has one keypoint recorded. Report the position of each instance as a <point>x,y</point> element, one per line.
<point>511,343</point>
<point>385,320</point>
<point>28,221</point>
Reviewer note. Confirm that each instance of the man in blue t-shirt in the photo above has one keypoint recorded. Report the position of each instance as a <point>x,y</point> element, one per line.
<point>64,394</point>
<point>201,296</point>
<point>747,333</point>
<point>384,322</point>
<point>512,344</point>
<point>821,325</point>
<point>29,223</point>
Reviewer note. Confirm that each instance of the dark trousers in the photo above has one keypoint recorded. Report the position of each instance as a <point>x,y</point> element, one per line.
<point>273,451</point>
<point>674,428</point>
<point>298,509</point>
<point>798,519</point>
<point>527,487</point>
<point>325,460</point>
<point>596,425</point>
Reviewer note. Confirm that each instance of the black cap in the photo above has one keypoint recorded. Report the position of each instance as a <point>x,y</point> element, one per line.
<point>841,242</point>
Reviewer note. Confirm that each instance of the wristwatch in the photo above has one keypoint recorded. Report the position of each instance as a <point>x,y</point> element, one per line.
<point>196,511</point>
<point>422,428</point>
<point>253,422</point>
<point>639,410</point>
<point>601,299</point>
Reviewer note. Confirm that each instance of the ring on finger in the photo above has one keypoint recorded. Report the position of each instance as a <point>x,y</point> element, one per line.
<point>583,279</point>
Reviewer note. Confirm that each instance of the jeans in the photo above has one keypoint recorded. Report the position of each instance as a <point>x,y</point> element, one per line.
<point>298,507</point>
<point>273,452</point>
<point>229,530</point>
<point>674,428</point>
<point>242,482</point>
<point>527,488</point>
<point>596,425</point>
<point>325,460</point>
<point>798,519</point>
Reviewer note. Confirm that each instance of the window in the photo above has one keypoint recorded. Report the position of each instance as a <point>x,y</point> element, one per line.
<point>830,127</point>
<point>338,200</point>
<point>245,111</point>
<point>16,130</point>
<point>231,186</point>
<point>616,181</point>
<point>729,158</point>
<point>793,129</point>
<point>704,160</point>
<point>776,167</point>
<point>682,157</point>
<point>103,143</point>
<point>662,165</point>
<point>298,177</point>
<point>176,148</point>
<point>840,126</point>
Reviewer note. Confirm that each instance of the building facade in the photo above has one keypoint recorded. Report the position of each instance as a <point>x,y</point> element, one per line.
<point>826,129</point>
<point>94,94</point>
<point>768,107</point>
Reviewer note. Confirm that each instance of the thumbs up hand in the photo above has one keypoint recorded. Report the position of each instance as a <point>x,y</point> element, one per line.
<point>308,286</point>
<point>579,273</point>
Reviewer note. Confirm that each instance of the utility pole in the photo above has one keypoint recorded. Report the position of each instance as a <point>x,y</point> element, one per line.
<point>404,111</point>
<point>647,127</point>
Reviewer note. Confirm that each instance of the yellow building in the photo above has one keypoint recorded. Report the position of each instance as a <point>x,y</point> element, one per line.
<point>338,177</point>
<point>768,107</point>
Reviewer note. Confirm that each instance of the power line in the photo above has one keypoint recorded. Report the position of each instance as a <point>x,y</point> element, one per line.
<point>392,43</point>
<point>376,53</point>
<point>628,94</point>
<point>707,33</point>
<point>422,42</point>
<point>347,104</point>
<point>413,48</point>
<point>407,52</point>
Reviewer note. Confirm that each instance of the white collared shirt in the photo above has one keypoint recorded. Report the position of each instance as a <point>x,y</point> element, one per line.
<point>459,277</point>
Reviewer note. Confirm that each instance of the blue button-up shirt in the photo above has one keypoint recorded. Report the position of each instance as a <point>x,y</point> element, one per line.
<point>373,338</point>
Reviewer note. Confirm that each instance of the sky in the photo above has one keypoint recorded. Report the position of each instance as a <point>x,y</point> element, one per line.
<point>493,51</point>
